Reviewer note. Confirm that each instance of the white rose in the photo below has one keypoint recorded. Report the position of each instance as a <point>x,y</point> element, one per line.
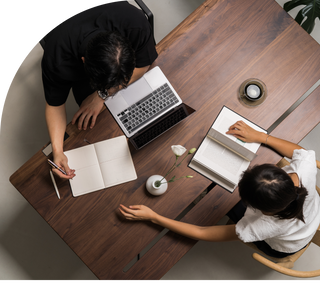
<point>178,150</point>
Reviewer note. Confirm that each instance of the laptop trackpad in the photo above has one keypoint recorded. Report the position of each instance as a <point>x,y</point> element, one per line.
<point>136,91</point>
<point>116,104</point>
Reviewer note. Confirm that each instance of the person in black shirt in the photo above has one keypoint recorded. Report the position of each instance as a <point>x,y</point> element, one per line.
<point>94,53</point>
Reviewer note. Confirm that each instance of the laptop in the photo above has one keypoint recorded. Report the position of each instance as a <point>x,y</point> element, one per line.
<point>147,108</point>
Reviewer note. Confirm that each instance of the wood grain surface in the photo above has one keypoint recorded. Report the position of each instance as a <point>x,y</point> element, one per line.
<point>206,58</point>
<point>171,247</point>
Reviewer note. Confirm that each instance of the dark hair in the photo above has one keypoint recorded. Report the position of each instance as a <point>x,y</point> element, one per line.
<point>109,61</point>
<point>271,190</point>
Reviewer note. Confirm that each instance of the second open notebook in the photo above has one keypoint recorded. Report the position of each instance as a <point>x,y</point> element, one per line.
<point>221,157</point>
<point>100,165</point>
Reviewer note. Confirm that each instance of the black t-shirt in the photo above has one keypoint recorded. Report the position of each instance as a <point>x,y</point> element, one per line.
<point>62,67</point>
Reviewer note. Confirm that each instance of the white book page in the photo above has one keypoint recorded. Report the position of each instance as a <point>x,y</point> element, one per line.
<point>111,149</point>
<point>88,175</point>
<point>118,171</point>
<point>219,159</point>
<point>212,176</point>
<point>82,157</point>
<point>115,161</point>
<point>87,180</point>
<point>227,118</point>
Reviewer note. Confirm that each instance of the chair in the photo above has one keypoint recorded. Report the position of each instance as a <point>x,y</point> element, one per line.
<point>147,12</point>
<point>284,265</point>
<point>142,6</point>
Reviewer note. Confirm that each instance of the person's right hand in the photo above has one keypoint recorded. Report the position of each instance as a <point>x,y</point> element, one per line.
<point>61,160</point>
<point>245,133</point>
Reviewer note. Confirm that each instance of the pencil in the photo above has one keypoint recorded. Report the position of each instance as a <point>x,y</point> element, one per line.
<point>56,166</point>
<point>54,184</point>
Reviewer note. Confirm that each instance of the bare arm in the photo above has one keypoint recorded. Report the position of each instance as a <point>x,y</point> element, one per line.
<point>56,122</point>
<point>244,132</point>
<point>92,106</point>
<point>209,233</point>
<point>89,110</point>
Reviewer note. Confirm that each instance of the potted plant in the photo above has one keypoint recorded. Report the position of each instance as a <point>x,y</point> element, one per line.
<point>306,17</point>
<point>156,184</point>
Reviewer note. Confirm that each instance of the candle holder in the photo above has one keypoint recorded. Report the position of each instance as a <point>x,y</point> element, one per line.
<point>252,92</point>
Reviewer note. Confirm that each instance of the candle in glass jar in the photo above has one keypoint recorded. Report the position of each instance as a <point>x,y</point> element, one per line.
<point>253,91</point>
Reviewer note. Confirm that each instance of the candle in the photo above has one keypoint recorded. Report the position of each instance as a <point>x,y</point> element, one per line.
<point>253,92</point>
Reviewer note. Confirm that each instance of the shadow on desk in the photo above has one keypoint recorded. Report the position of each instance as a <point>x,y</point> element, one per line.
<point>42,254</point>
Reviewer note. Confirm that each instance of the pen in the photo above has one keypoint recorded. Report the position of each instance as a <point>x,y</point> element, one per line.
<point>54,184</point>
<point>56,166</point>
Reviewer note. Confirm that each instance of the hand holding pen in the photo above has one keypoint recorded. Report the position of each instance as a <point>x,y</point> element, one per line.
<point>60,167</point>
<point>55,166</point>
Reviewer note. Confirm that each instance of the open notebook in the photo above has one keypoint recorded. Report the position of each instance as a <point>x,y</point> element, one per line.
<point>100,165</point>
<point>222,157</point>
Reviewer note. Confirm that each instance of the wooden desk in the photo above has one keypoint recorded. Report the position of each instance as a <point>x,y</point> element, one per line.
<point>168,251</point>
<point>206,58</point>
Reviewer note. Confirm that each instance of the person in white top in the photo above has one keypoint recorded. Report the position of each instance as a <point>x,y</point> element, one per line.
<point>279,209</point>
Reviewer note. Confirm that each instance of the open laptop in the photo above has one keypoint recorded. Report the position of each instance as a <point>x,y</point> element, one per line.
<point>147,108</point>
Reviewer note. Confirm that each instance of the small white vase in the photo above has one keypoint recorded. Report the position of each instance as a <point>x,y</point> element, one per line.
<point>152,189</point>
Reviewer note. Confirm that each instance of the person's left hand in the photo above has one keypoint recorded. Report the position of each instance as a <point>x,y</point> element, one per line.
<point>137,213</point>
<point>89,109</point>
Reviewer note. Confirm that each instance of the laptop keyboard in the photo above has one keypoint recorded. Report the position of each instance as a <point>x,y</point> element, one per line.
<point>147,108</point>
<point>160,127</point>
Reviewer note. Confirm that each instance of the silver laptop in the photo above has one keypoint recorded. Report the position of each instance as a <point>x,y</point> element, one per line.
<point>147,108</point>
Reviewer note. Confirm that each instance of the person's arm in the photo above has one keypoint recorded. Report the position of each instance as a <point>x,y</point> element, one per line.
<point>93,104</point>
<point>56,122</point>
<point>247,134</point>
<point>90,109</point>
<point>209,233</point>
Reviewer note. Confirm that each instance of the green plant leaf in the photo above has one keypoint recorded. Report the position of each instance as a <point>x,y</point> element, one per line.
<point>307,15</point>
<point>172,179</point>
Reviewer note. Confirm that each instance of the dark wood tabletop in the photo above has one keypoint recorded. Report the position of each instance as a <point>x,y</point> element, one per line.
<point>171,247</point>
<point>206,58</point>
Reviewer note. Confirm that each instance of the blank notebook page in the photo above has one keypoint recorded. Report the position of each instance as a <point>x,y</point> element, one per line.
<point>100,165</point>
<point>115,161</point>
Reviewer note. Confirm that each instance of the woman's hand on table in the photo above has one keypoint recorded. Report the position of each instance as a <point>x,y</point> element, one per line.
<point>137,213</point>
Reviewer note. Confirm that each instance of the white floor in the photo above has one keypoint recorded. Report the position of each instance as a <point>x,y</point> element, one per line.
<point>30,249</point>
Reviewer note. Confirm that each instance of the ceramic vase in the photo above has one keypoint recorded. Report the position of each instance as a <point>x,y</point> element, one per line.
<point>152,189</point>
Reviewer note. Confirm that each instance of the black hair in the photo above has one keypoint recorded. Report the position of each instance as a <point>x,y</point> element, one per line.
<point>271,190</point>
<point>109,61</point>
